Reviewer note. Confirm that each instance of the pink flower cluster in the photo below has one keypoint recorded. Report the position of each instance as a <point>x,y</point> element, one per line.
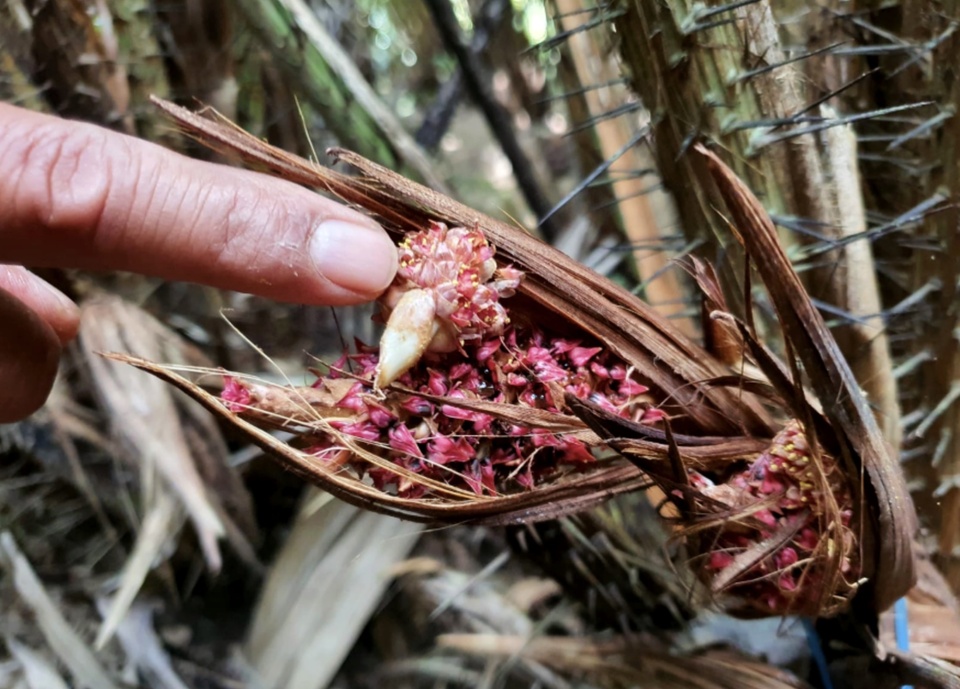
<point>476,355</point>
<point>467,448</point>
<point>463,447</point>
<point>456,266</point>
<point>784,492</point>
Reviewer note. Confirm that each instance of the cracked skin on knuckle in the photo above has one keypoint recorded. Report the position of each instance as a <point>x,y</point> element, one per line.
<point>62,179</point>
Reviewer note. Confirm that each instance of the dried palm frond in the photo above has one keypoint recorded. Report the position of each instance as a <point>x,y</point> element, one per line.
<point>321,591</point>
<point>610,109</point>
<point>624,662</point>
<point>37,670</point>
<point>175,452</point>
<point>619,563</point>
<point>435,599</point>
<point>69,647</point>
<point>69,50</point>
<point>932,617</point>
<point>788,515</point>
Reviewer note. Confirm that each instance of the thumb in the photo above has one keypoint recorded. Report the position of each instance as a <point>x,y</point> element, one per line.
<point>29,353</point>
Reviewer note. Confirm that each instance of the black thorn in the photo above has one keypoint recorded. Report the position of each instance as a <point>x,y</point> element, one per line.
<point>836,122</point>
<point>602,7</point>
<point>923,128</point>
<point>744,76</point>
<point>624,109</point>
<point>928,47</point>
<point>561,37</point>
<point>774,123</point>
<point>801,226</point>
<point>823,99</point>
<point>885,49</point>
<point>622,175</point>
<point>915,298</point>
<point>901,222</point>
<point>685,251</point>
<point>701,14</point>
<point>843,314</point>
<point>620,199</point>
<point>909,166</point>
<point>688,141</point>
<point>582,90</point>
<point>696,28</point>
<point>876,138</point>
<point>872,28</point>
<point>597,171</point>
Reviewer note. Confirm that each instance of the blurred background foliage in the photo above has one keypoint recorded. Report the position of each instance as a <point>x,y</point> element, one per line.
<point>161,553</point>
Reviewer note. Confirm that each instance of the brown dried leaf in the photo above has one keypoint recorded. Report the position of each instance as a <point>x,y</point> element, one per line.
<point>77,61</point>
<point>577,299</point>
<point>628,661</point>
<point>933,615</point>
<point>322,589</point>
<point>59,634</point>
<point>144,414</point>
<point>887,536</point>
<point>719,338</point>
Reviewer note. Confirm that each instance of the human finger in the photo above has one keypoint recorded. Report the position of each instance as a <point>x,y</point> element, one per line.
<point>75,195</point>
<point>52,305</point>
<point>29,354</point>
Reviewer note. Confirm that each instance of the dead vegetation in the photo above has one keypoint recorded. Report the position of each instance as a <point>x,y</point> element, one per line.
<point>149,542</point>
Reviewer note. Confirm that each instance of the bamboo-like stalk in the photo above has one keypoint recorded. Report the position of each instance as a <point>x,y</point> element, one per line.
<point>721,74</point>
<point>662,286</point>
<point>140,52</point>
<point>939,395</point>
<point>864,341</point>
<point>690,67</point>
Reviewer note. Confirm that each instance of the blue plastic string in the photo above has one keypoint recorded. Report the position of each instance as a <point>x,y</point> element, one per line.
<point>816,652</point>
<point>901,629</point>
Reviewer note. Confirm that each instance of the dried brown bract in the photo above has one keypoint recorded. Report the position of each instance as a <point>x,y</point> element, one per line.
<point>517,385</point>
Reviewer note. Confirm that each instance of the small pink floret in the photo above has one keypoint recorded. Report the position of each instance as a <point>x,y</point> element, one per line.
<point>235,394</point>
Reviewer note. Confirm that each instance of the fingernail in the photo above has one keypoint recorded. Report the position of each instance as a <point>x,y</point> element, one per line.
<point>62,314</point>
<point>52,294</point>
<point>356,257</point>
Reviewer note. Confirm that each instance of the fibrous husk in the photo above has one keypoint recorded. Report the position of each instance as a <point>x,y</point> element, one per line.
<point>889,521</point>
<point>712,425</point>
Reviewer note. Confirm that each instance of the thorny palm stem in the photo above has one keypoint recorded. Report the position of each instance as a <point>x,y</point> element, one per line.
<point>721,74</point>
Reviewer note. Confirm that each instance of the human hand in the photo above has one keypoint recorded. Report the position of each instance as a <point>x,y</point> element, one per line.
<point>77,196</point>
